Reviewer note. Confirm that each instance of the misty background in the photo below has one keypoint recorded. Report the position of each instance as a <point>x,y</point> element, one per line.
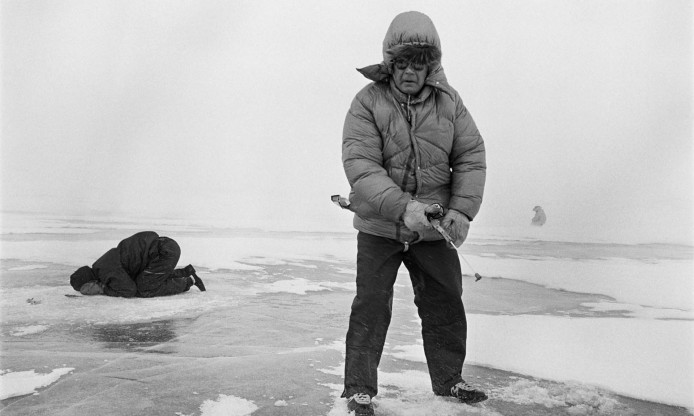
<point>232,111</point>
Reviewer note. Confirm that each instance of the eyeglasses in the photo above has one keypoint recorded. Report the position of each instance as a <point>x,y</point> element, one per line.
<point>402,65</point>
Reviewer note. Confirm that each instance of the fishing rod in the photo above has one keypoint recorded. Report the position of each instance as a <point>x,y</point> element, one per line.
<point>435,221</point>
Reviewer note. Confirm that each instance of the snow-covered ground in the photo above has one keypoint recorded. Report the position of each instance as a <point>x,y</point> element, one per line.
<point>625,326</point>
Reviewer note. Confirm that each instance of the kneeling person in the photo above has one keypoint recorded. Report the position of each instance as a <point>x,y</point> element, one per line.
<point>142,265</point>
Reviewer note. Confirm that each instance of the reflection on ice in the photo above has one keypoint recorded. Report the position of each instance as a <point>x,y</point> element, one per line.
<point>135,336</point>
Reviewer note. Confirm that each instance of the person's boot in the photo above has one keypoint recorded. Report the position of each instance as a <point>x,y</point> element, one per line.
<point>198,282</point>
<point>360,404</point>
<point>467,394</point>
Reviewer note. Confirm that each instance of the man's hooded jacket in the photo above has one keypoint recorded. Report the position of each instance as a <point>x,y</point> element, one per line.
<point>398,147</point>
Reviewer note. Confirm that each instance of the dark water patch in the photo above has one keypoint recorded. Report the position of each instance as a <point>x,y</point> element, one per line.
<point>141,337</point>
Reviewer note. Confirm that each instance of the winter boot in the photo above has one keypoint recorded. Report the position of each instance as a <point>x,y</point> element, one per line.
<point>189,270</point>
<point>198,283</point>
<point>467,394</point>
<point>360,404</point>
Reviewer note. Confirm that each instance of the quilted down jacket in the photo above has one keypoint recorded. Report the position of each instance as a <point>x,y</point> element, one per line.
<point>398,147</point>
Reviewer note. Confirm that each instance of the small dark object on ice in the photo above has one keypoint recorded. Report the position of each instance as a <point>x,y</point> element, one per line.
<point>477,277</point>
<point>73,296</point>
<point>33,301</point>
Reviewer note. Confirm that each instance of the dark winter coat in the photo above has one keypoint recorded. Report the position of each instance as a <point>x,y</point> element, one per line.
<point>118,267</point>
<point>438,156</point>
<point>141,265</point>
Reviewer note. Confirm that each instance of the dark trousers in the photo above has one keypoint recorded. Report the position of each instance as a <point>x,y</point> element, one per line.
<point>437,282</point>
<point>159,277</point>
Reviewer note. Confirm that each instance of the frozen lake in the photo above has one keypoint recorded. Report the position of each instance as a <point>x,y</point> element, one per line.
<point>554,327</point>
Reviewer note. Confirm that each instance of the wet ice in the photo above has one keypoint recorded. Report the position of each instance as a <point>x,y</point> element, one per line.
<point>271,327</point>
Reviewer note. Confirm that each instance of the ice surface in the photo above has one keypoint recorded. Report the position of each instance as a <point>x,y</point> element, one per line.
<point>649,359</point>
<point>55,307</point>
<point>664,283</point>
<point>602,352</point>
<point>300,286</point>
<point>638,311</point>
<point>634,322</point>
<point>579,398</point>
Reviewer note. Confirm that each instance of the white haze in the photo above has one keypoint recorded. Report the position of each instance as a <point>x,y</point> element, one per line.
<point>233,111</point>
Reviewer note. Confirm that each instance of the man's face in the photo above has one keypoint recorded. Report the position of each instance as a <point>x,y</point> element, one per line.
<point>409,78</point>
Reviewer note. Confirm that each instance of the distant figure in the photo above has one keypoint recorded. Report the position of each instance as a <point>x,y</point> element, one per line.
<point>142,265</point>
<point>540,218</point>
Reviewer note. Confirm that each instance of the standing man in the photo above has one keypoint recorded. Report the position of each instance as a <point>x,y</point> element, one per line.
<point>409,143</point>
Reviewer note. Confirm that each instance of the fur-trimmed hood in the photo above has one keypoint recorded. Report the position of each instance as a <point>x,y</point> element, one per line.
<point>410,30</point>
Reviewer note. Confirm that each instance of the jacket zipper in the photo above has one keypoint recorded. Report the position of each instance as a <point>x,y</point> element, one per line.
<point>412,118</point>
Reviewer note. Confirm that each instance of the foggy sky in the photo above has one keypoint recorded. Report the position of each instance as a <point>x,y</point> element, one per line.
<point>233,110</point>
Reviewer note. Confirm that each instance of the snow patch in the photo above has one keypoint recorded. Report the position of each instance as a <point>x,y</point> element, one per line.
<point>661,284</point>
<point>409,352</point>
<point>265,261</point>
<point>300,286</point>
<point>227,406</point>
<point>28,267</point>
<point>409,394</point>
<point>520,344</point>
<point>578,398</point>
<point>99,309</point>
<point>28,330</point>
<point>21,383</point>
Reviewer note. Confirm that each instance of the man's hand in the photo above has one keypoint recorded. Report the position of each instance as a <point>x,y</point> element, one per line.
<point>415,216</point>
<point>457,225</point>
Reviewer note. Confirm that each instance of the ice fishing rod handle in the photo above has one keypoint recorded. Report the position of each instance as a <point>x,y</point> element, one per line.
<point>436,215</point>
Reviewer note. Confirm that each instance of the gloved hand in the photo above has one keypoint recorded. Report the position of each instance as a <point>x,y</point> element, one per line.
<point>457,225</point>
<point>92,287</point>
<point>415,216</point>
